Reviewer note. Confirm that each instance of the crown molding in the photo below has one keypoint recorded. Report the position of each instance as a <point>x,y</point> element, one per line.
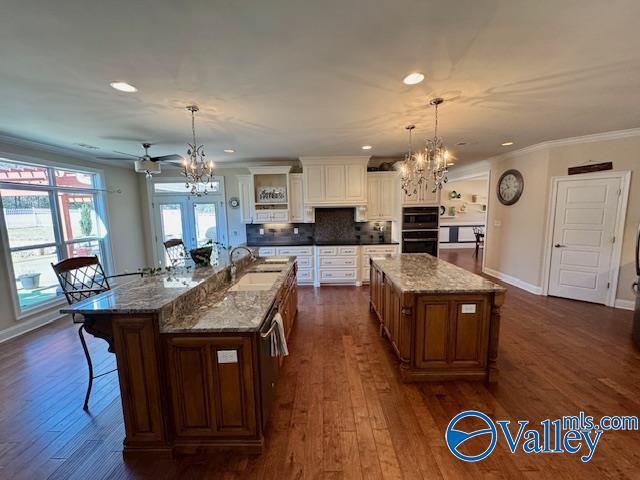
<point>62,151</point>
<point>548,144</point>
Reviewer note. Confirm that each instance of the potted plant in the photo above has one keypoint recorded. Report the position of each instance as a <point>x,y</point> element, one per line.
<point>29,280</point>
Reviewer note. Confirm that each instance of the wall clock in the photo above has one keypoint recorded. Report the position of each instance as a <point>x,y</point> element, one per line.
<point>234,202</point>
<point>510,187</point>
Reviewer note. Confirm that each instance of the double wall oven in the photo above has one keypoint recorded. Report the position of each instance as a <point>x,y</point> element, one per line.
<point>420,230</point>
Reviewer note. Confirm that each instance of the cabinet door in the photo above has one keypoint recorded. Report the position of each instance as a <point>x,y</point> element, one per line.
<point>334,183</point>
<point>355,182</point>
<point>427,195</point>
<point>296,200</point>
<point>137,355</point>
<point>245,187</point>
<point>433,320</point>
<point>212,386</point>
<point>373,197</point>
<point>314,181</point>
<point>470,324</point>
<point>386,197</point>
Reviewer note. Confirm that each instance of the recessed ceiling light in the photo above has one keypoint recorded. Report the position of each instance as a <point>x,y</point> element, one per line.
<point>507,144</point>
<point>229,150</point>
<point>123,87</point>
<point>413,78</point>
<point>367,147</point>
<point>460,144</point>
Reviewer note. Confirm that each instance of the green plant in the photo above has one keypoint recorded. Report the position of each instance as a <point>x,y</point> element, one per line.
<point>86,224</point>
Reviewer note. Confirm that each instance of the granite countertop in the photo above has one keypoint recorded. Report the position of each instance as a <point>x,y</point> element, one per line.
<point>423,273</point>
<point>193,300</point>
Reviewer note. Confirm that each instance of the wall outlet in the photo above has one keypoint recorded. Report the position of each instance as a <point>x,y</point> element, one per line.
<point>262,231</point>
<point>295,230</point>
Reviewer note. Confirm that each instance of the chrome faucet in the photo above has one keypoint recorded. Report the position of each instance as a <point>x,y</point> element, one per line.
<point>234,269</point>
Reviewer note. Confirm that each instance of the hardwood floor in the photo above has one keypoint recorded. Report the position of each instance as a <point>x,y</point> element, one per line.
<point>341,411</point>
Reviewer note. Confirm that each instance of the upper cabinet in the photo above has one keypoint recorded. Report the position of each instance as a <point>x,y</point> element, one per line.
<point>382,190</point>
<point>334,181</point>
<point>245,190</point>
<point>425,196</point>
<point>296,199</point>
<point>264,195</point>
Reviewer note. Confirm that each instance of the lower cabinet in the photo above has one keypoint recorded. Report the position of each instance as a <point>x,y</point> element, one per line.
<point>212,386</point>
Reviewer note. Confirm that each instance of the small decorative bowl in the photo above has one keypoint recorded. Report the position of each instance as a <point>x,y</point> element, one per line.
<point>201,256</point>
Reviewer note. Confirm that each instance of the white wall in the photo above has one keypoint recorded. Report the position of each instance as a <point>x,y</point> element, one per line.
<point>516,247</point>
<point>126,232</point>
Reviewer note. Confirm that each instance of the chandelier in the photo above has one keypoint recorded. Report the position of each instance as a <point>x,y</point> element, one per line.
<point>198,172</point>
<point>432,162</point>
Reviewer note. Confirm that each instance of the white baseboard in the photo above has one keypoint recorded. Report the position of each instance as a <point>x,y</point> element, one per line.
<point>516,282</point>
<point>23,327</point>
<point>446,246</point>
<point>625,304</point>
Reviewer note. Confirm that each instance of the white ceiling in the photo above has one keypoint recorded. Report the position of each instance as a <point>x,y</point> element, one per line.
<point>280,79</point>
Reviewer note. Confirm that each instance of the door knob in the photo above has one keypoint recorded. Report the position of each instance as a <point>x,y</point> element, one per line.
<point>557,245</point>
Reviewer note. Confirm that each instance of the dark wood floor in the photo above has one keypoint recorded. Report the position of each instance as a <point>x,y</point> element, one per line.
<point>341,411</point>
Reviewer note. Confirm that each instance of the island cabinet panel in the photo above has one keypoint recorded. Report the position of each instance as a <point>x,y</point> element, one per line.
<point>451,332</point>
<point>392,316</point>
<point>212,386</point>
<point>136,345</point>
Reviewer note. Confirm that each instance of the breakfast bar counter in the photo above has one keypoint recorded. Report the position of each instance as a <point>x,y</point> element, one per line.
<point>443,322</point>
<point>194,352</point>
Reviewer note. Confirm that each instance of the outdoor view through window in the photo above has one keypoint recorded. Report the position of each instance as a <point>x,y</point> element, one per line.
<point>48,214</point>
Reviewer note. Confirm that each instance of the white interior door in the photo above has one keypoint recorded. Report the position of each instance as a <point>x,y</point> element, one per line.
<point>583,236</point>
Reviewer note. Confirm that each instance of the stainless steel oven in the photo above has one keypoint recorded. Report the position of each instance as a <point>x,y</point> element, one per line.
<point>420,227</point>
<point>420,218</point>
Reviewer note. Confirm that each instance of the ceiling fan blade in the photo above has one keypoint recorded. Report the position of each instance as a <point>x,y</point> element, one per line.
<point>167,158</point>
<point>115,158</point>
<point>127,154</point>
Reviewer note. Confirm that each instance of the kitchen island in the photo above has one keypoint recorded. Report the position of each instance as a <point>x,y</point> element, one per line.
<point>193,352</point>
<point>443,322</point>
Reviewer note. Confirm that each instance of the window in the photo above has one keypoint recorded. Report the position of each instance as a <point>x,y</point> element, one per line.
<point>48,214</point>
<point>181,187</point>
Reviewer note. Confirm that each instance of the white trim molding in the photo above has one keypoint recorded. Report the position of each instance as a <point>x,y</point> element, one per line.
<point>624,304</point>
<point>516,282</point>
<point>20,328</point>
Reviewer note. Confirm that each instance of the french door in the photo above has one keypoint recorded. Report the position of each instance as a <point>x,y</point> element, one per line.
<point>194,220</point>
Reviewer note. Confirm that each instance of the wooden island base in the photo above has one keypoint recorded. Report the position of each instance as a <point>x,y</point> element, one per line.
<point>438,336</point>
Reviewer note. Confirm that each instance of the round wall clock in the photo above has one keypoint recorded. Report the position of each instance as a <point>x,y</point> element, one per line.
<point>234,202</point>
<point>510,187</point>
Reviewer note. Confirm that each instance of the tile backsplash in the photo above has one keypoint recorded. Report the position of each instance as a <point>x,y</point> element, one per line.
<point>332,224</point>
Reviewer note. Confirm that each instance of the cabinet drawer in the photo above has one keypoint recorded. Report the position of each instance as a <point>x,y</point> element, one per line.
<point>337,275</point>
<point>267,251</point>
<point>379,250</point>
<point>280,216</point>
<point>305,275</point>
<point>347,250</point>
<point>327,250</point>
<point>304,262</point>
<point>263,216</point>
<point>338,261</point>
<point>294,251</point>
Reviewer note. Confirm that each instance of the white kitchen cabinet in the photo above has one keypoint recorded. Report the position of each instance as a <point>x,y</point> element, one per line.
<point>374,251</point>
<point>296,199</point>
<point>245,187</point>
<point>337,264</point>
<point>304,258</point>
<point>382,190</point>
<point>334,181</point>
<point>424,197</point>
<point>271,216</point>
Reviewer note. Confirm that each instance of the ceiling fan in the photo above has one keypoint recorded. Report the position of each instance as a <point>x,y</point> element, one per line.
<point>146,163</point>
